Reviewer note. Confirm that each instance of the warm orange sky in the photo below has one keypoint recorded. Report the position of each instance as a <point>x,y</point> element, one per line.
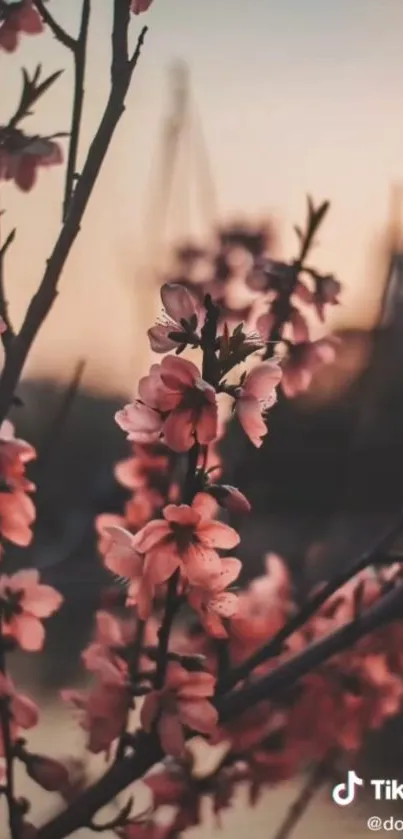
<point>294,96</point>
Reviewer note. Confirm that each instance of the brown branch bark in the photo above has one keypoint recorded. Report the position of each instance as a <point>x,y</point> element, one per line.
<point>80,54</point>
<point>301,803</point>
<point>44,298</point>
<point>57,30</point>
<point>7,336</point>
<point>274,646</point>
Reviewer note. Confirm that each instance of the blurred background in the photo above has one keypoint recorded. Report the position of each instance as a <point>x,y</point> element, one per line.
<point>236,112</point>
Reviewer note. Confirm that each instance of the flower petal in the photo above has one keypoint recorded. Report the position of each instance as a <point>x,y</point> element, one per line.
<point>216,534</point>
<point>199,715</point>
<point>177,301</point>
<point>150,535</point>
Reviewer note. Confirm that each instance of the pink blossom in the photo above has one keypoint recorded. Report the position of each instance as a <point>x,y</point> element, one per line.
<point>24,712</point>
<point>179,305</point>
<point>17,514</point>
<point>135,472</point>
<point>14,455</point>
<point>22,156</point>
<point>183,701</point>
<point>27,602</point>
<point>327,294</point>
<point>99,657</point>
<point>304,360</point>
<point>18,18</point>
<point>176,401</point>
<point>141,423</point>
<point>102,713</point>
<point>256,396</point>
<point>124,559</point>
<point>212,602</point>
<point>185,538</point>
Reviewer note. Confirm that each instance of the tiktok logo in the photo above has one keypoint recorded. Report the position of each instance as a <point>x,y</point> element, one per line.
<point>344,794</point>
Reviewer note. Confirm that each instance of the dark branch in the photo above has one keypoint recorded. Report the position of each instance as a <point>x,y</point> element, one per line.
<point>387,608</point>
<point>44,298</point>
<point>59,420</point>
<point>57,30</point>
<point>7,336</point>
<point>80,53</point>
<point>274,646</point>
<point>301,803</point>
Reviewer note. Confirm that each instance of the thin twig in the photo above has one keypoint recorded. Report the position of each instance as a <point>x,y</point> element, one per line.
<point>301,803</point>
<point>5,718</point>
<point>274,646</point>
<point>44,298</point>
<point>133,666</point>
<point>57,30</point>
<point>8,335</point>
<point>59,420</point>
<point>385,610</point>
<point>80,54</point>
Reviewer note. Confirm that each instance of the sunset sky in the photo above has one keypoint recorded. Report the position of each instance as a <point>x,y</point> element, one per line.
<point>295,96</point>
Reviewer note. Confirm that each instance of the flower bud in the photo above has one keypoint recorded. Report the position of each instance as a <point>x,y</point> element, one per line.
<point>230,498</point>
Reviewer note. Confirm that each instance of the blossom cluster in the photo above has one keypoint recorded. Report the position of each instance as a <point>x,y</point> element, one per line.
<point>160,666</point>
<point>272,297</point>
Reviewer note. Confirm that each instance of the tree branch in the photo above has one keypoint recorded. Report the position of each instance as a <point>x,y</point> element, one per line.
<point>7,336</point>
<point>80,53</point>
<point>274,646</point>
<point>304,798</point>
<point>149,752</point>
<point>5,727</point>
<point>57,30</point>
<point>44,298</point>
<point>386,609</point>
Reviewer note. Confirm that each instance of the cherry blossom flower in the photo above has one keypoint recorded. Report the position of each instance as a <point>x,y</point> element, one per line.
<point>255,397</point>
<point>21,156</point>
<point>14,455</point>
<point>25,602</point>
<point>175,401</point>
<point>141,423</point>
<point>303,361</point>
<point>24,712</point>
<point>16,19</point>
<point>327,294</point>
<point>17,513</point>
<point>99,657</point>
<point>123,558</point>
<point>138,471</point>
<point>213,603</point>
<point>183,701</point>
<point>185,538</point>
<point>181,308</point>
<point>262,608</point>
<point>102,713</point>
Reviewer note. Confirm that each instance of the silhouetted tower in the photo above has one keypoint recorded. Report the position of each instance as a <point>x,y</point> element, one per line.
<point>183,201</point>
